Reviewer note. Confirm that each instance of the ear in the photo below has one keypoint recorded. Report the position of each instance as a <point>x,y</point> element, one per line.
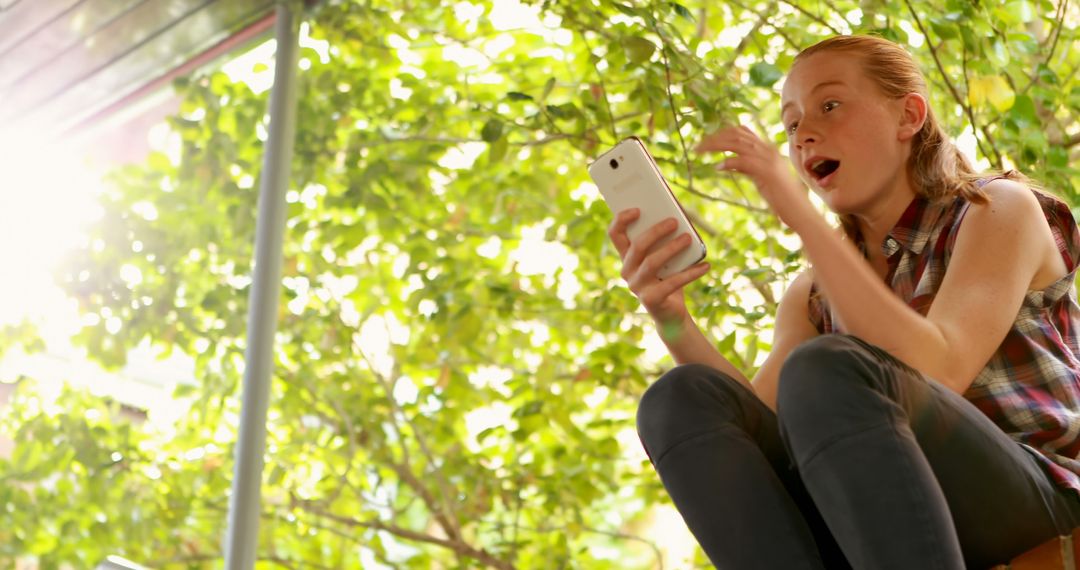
<point>913,112</point>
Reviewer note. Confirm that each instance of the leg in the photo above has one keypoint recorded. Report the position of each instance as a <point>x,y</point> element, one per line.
<point>907,473</point>
<point>718,452</point>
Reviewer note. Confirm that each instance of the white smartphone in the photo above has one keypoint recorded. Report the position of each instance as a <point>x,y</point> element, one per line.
<point>628,177</point>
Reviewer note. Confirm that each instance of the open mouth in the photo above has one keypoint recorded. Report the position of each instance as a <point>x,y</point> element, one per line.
<point>821,169</point>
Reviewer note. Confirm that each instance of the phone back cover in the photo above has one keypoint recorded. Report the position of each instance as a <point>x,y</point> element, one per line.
<point>636,183</point>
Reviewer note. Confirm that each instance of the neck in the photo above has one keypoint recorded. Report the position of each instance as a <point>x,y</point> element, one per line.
<point>876,221</point>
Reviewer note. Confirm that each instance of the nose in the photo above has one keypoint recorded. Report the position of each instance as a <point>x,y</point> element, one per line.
<point>806,133</point>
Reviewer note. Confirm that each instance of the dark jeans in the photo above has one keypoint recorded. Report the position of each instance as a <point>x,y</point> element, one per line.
<point>866,465</point>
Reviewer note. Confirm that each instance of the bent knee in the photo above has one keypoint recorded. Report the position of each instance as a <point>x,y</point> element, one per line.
<point>678,388</point>
<point>822,351</point>
<point>682,401</point>
<point>819,368</point>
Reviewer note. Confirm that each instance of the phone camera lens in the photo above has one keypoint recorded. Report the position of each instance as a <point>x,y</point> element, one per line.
<point>614,163</point>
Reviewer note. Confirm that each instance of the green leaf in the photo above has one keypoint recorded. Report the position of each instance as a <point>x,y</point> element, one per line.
<point>638,49</point>
<point>682,11</point>
<point>184,391</point>
<point>943,28</point>
<point>998,54</point>
<point>887,33</point>
<point>498,150</point>
<point>492,130</point>
<point>1047,75</point>
<point>518,96</point>
<point>1058,157</point>
<point>756,272</point>
<point>764,74</point>
<point>564,111</point>
<point>548,86</point>
<point>1023,112</point>
<point>1023,43</point>
<point>1020,10</point>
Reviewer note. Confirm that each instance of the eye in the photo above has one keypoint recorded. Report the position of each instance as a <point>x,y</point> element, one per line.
<point>830,105</point>
<point>791,128</point>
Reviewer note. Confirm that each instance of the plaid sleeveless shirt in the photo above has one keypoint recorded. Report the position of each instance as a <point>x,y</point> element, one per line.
<point>1030,387</point>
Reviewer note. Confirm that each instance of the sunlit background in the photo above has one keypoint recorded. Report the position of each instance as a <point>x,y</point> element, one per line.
<point>49,193</point>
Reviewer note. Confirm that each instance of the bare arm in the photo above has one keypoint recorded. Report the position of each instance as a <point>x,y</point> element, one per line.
<point>688,344</point>
<point>792,328</point>
<point>684,339</point>
<point>665,299</point>
<point>999,249</point>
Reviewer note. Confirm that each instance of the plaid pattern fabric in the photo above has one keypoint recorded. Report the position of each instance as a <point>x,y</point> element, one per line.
<point>1031,385</point>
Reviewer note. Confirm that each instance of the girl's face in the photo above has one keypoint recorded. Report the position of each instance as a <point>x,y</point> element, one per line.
<point>843,133</point>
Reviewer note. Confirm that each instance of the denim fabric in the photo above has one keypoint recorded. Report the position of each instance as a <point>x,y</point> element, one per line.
<point>867,464</point>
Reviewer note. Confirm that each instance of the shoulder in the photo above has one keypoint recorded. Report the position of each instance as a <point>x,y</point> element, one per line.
<point>1008,233</point>
<point>1007,183</point>
<point>1008,196</point>
<point>799,289</point>
<point>1012,207</point>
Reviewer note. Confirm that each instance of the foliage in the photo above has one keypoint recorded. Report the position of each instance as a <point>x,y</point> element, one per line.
<point>22,335</point>
<point>457,359</point>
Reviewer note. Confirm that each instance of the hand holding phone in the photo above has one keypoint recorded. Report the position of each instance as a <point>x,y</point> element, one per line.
<point>628,177</point>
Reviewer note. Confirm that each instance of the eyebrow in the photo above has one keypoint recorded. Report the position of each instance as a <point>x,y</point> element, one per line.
<point>821,85</point>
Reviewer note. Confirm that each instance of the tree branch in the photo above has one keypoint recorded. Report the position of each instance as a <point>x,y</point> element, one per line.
<point>952,89</point>
<point>722,200</point>
<point>671,102</point>
<point>763,18</point>
<point>1059,18</point>
<point>657,553</point>
<point>457,546</point>
<point>439,509</point>
<point>1055,32</point>
<point>461,140</point>
<point>603,86</point>
<point>814,17</point>
<point>967,88</point>
<point>767,15</point>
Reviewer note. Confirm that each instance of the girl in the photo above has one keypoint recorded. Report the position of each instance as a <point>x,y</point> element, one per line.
<point>921,404</point>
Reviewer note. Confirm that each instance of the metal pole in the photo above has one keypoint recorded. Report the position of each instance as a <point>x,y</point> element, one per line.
<point>243,532</point>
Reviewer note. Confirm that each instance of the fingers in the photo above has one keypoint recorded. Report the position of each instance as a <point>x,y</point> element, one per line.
<point>637,255</point>
<point>745,164</point>
<point>738,139</point>
<point>641,246</point>
<point>617,229</point>
<point>750,154</point>
<point>644,275</point>
<point>662,289</point>
<point>720,141</point>
<point>642,263</point>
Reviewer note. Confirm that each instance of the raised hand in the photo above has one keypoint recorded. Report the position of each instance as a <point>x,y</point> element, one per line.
<point>765,166</point>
